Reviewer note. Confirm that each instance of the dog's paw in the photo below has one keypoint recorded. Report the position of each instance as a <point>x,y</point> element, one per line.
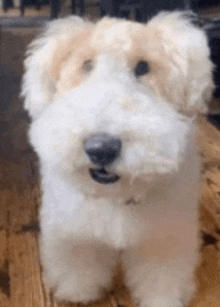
<point>69,287</point>
<point>163,301</point>
<point>71,290</point>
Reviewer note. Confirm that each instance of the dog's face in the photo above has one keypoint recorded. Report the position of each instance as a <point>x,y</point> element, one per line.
<point>115,100</point>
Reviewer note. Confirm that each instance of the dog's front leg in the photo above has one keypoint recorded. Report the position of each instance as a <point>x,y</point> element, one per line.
<point>160,272</point>
<point>75,271</point>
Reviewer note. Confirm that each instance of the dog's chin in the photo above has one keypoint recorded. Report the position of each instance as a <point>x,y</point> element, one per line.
<point>100,175</point>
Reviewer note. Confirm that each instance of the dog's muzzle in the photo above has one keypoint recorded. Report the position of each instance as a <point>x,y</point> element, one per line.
<point>102,150</point>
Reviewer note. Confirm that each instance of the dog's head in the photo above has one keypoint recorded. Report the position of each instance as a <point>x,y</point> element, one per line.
<point>116,99</point>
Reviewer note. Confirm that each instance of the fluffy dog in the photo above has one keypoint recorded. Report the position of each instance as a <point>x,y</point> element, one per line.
<point>113,107</point>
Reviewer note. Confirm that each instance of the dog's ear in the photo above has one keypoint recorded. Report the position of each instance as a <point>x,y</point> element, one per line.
<point>185,45</point>
<point>43,54</point>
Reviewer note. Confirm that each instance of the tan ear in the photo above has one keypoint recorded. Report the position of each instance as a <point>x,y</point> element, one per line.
<point>38,84</point>
<point>187,46</point>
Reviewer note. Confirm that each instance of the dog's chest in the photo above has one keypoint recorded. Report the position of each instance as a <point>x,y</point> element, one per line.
<point>118,224</point>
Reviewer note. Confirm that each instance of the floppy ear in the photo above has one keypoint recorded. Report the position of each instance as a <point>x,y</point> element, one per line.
<point>38,84</point>
<point>186,46</point>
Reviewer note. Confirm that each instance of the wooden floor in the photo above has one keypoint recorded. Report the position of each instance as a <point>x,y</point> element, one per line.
<point>21,282</point>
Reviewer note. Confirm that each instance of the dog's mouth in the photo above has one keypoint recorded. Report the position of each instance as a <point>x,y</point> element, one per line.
<point>100,175</point>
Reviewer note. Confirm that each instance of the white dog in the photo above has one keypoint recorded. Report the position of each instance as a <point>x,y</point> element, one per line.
<point>113,107</point>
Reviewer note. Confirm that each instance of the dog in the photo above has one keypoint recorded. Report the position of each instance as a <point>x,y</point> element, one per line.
<point>113,108</point>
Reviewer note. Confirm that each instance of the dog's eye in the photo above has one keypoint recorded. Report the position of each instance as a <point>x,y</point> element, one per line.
<point>141,68</point>
<point>87,65</point>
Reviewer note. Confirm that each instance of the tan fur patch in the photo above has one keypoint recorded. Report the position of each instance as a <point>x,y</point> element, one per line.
<point>71,71</point>
<point>126,42</point>
<point>115,35</point>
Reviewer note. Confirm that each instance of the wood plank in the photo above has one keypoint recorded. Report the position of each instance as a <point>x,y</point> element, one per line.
<point>4,208</point>
<point>208,140</point>
<point>4,270</point>
<point>26,283</point>
<point>23,209</point>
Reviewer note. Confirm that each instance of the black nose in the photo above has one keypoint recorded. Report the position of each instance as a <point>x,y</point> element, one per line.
<point>102,149</point>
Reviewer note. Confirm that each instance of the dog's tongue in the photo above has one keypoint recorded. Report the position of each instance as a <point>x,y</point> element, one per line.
<point>102,176</point>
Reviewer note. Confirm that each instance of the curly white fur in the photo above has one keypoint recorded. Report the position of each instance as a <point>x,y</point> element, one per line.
<point>148,219</point>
